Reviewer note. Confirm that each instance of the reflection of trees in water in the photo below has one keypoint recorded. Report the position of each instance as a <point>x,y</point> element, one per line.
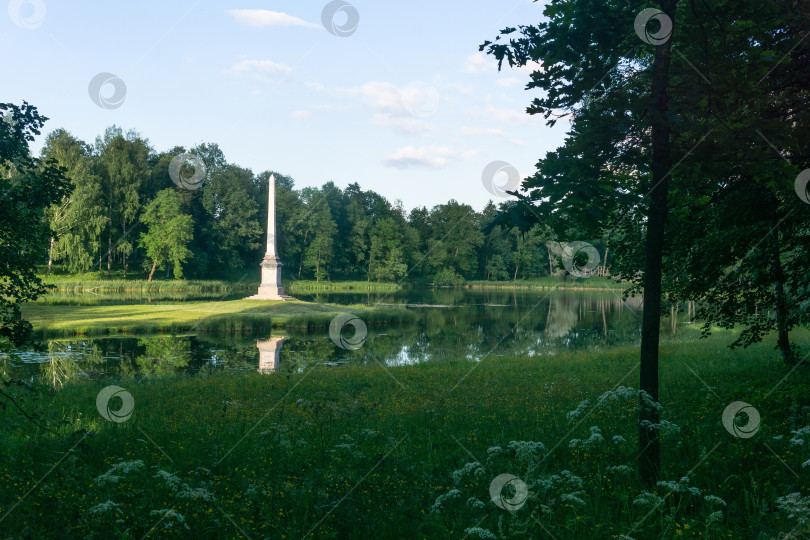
<point>486,323</point>
<point>163,355</point>
<point>562,316</point>
<point>62,362</point>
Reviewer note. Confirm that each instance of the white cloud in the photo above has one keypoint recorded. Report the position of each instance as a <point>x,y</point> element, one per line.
<point>483,132</point>
<point>498,116</point>
<point>301,114</point>
<point>426,157</point>
<point>509,81</point>
<point>330,108</point>
<point>266,68</point>
<point>529,68</point>
<point>381,96</point>
<point>479,63</point>
<point>490,132</point>
<point>403,125</point>
<point>260,18</point>
<point>401,109</point>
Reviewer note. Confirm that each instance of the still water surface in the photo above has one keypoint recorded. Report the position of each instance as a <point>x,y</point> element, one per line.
<point>450,324</point>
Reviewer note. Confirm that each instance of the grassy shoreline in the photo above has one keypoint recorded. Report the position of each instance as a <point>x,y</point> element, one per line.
<point>233,316</point>
<point>409,452</point>
<point>141,285</point>
<point>341,286</point>
<point>95,282</point>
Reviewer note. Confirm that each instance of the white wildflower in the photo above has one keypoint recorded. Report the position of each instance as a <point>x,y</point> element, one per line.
<point>124,467</point>
<point>526,452</point>
<point>494,451</point>
<point>796,506</point>
<point>714,499</point>
<point>573,498</point>
<point>105,507</point>
<point>441,499</point>
<point>171,480</point>
<point>473,469</point>
<point>681,486</point>
<point>799,436</point>
<point>199,493</point>
<point>478,532</point>
<point>647,498</point>
<point>715,517</point>
<point>578,412</point>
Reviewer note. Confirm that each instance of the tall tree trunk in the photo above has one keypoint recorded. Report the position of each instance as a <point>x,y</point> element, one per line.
<point>780,309</point>
<point>152,273</point>
<point>301,260</point>
<point>673,318</point>
<point>649,443</point>
<point>50,256</point>
<point>550,264</point>
<point>124,257</point>
<point>109,252</point>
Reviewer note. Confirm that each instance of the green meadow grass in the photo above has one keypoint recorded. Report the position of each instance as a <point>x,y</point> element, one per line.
<point>410,452</point>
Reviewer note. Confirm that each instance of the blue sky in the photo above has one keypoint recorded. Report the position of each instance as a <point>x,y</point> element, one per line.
<point>405,105</point>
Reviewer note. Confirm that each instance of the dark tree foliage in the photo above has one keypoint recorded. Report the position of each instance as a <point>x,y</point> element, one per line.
<point>28,186</point>
<point>681,153</point>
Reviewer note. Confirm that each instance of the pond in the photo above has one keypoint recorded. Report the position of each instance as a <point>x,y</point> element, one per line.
<point>450,324</point>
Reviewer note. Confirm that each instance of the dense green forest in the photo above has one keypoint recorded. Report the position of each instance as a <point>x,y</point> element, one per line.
<point>125,211</point>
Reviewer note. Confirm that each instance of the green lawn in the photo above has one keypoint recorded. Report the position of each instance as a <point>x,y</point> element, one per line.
<point>410,452</point>
<point>233,315</point>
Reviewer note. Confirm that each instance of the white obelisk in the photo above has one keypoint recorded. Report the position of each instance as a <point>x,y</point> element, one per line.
<point>270,288</point>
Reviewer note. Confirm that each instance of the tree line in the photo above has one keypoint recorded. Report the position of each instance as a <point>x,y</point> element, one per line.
<point>124,210</point>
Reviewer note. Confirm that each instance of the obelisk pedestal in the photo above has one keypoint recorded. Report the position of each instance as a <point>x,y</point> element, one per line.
<point>270,288</point>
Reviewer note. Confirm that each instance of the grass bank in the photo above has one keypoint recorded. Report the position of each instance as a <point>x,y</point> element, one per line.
<point>144,286</point>
<point>234,316</point>
<point>341,286</point>
<point>411,452</point>
<point>83,285</point>
<point>550,283</point>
